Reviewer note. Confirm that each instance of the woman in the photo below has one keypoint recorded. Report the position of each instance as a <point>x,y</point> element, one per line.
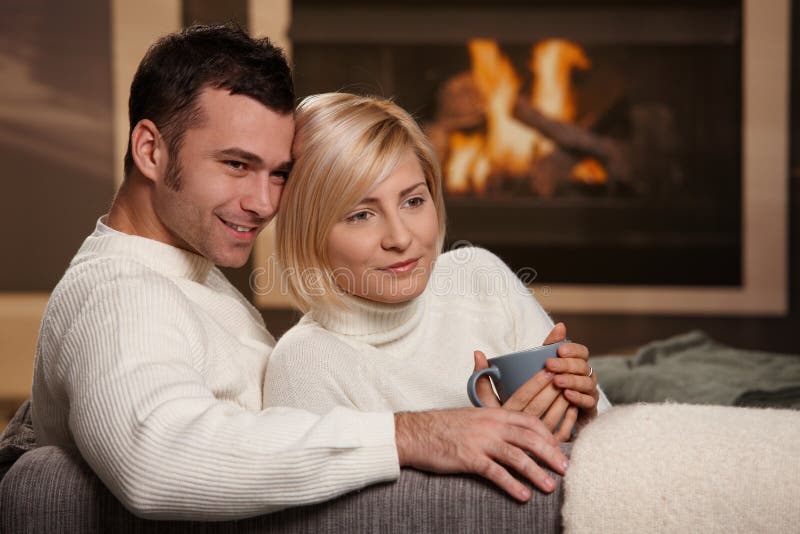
<point>391,323</point>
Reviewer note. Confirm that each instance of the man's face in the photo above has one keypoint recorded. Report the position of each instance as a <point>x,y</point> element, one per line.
<point>230,173</point>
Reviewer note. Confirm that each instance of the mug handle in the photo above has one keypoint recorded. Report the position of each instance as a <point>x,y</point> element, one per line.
<point>492,371</point>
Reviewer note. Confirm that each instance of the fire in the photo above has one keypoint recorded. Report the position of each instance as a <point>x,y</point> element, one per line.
<point>510,147</point>
<point>589,171</point>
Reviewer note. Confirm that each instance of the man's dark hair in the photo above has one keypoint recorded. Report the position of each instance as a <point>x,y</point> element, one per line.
<point>180,65</point>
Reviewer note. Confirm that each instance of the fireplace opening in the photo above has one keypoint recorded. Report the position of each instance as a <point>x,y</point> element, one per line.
<point>595,145</point>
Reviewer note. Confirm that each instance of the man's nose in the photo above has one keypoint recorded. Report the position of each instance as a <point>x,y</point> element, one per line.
<point>259,198</point>
<point>397,234</point>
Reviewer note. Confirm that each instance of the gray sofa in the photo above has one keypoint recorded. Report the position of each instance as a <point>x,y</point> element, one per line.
<point>50,489</point>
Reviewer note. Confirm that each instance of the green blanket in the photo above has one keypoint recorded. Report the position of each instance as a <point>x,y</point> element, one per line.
<point>693,368</point>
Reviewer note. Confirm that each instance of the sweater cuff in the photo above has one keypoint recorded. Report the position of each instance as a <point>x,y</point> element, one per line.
<point>378,451</point>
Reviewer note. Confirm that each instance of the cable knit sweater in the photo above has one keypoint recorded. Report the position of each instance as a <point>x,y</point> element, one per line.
<point>151,364</point>
<point>412,356</point>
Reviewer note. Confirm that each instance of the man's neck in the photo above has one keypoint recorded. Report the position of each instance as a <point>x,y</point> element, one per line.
<point>132,213</point>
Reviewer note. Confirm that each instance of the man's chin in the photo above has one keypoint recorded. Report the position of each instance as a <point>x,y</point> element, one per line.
<point>231,261</point>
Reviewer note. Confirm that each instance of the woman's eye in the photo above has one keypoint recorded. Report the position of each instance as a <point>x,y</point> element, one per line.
<point>415,202</point>
<point>359,217</point>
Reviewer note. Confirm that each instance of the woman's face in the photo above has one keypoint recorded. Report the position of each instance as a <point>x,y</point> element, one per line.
<point>384,248</point>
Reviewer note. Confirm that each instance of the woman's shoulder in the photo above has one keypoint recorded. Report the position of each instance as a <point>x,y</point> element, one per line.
<point>469,258</point>
<point>308,339</point>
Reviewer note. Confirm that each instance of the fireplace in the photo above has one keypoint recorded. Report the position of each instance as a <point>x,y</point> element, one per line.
<point>603,145</point>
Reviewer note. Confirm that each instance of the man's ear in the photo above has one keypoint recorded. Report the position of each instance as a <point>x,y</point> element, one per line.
<point>148,150</point>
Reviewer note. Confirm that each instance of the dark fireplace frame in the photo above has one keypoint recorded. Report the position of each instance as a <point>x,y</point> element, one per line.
<point>764,288</point>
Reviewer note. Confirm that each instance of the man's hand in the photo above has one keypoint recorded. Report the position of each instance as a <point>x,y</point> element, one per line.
<point>480,441</point>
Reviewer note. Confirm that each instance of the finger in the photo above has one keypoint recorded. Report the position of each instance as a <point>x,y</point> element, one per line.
<point>565,430</point>
<point>530,423</point>
<point>555,413</point>
<point>541,402</point>
<point>546,450</point>
<point>480,360</point>
<point>503,479</point>
<point>558,333</point>
<point>573,350</point>
<point>483,387</point>
<point>514,457</point>
<point>580,400</point>
<point>527,391</point>
<point>575,366</point>
<point>580,383</point>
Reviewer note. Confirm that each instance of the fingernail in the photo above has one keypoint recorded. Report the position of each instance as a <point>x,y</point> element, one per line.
<point>550,484</point>
<point>565,464</point>
<point>524,494</point>
<point>548,375</point>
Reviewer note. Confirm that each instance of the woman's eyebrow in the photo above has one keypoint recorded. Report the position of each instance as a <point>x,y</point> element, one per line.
<point>404,192</point>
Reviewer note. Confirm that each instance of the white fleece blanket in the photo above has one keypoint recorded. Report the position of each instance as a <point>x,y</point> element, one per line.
<point>685,468</point>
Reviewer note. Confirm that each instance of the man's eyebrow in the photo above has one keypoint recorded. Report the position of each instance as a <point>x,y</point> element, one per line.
<point>404,192</point>
<point>242,154</point>
<point>253,159</point>
<point>284,166</point>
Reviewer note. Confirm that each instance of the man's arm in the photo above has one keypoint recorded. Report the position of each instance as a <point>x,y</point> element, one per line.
<point>145,419</point>
<point>480,441</point>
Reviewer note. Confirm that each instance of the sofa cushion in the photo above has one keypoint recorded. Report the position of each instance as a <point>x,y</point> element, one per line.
<point>50,489</point>
<point>17,438</point>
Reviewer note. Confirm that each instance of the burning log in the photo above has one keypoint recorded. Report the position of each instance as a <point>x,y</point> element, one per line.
<point>574,142</point>
<point>565,134</point>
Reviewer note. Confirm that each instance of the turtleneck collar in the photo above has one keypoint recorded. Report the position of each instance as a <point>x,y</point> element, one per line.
<point>166,259</point>
<point>372,322</point>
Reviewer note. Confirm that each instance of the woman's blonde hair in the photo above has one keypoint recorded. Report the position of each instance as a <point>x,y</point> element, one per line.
<point>344,145</point>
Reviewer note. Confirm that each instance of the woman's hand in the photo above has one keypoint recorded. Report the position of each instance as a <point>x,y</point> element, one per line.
<point>538,396</point>
<point>573,375</point>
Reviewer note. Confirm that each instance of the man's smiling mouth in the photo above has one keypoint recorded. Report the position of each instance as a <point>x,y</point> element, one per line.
<point>239,228</point>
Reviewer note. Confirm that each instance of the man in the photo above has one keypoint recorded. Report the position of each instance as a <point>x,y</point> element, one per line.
<point>151,363</point>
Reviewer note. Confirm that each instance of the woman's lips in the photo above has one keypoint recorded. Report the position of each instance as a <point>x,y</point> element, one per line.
<point>402,267</point>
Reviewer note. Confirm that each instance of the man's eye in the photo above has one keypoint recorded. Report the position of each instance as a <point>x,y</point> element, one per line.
<point>236,165</point>
<point>280,176</point>
<point>359,217</point>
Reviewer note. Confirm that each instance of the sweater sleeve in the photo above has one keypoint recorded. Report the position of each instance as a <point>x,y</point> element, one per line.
<point>154,432</point>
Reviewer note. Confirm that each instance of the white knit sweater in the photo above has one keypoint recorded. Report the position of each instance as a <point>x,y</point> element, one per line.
<point>413,356</point>
<point>151,364</point>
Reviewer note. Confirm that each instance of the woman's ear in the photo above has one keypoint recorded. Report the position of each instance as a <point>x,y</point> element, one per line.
<point>148,150</point>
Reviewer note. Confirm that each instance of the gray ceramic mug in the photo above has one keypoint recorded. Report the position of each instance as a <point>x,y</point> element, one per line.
<point>510,371</point>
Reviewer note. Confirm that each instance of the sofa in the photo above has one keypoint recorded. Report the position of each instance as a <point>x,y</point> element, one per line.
<point>638,468</point>
<point>50,489</point>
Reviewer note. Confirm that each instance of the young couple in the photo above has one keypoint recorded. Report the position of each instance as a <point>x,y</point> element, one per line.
<point>153,366</point>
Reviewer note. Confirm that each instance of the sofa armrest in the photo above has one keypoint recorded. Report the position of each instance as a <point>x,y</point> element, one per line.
<point>685,468</point>
<point>50,489</point>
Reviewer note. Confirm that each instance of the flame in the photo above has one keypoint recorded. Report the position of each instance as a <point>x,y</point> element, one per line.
<point>510,147</point>
<point>509,143</point>
<point>552,62</point>
<point>468,167</point>
<point>589,171</point>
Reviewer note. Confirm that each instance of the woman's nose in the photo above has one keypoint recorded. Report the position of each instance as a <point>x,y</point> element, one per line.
<point>396,234</point>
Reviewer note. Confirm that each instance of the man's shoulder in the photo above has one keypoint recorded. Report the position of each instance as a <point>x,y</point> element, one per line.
<point>105,279</point>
